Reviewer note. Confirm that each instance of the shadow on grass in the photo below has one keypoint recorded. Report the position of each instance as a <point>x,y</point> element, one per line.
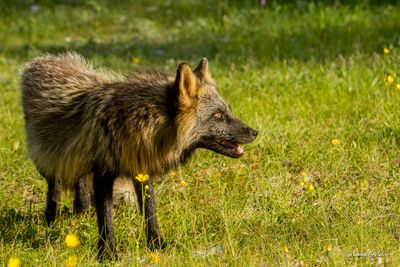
<point>25,228</point>
<point>391,134</point>
<point>256,46</point>
<point>239,45</point>
<point>29,229</point>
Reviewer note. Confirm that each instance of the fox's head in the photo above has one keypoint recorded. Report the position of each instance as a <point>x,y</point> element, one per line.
<point>205,119</point>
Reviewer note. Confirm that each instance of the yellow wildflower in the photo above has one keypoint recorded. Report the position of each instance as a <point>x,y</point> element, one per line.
<point>336,142</point>
<point>71,261</point>
<point>310,188</point>
<point>285,249</point>
<point>142,177</point>
<point>303,173</point>
<point>154,257</point>
<point>302,184</point>
<point>362,184</point>
<point>390,78</point>
<point>183,183</point>
<point>146,187</point>
<point>14,262</point>
<point>386,50</point>
<point>398,86</point>
<point>72,240</point>
<point>329,247</point>
<point>172,173</point>
<point>135,60</point>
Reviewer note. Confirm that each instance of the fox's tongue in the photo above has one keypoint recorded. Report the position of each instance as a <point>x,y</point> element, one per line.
<point>236,149</point>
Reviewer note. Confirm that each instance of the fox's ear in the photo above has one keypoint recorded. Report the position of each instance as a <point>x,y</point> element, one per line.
<point>186,85</point>
<point>202,70</point>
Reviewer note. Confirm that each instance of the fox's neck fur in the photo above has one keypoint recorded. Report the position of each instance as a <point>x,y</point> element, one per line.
<point>147,133</point>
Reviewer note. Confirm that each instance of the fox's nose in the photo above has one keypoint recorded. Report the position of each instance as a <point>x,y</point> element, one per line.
<point>253,133</point>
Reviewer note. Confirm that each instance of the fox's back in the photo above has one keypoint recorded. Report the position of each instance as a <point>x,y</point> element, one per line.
<point>75,114</point>
<point>51,82</point>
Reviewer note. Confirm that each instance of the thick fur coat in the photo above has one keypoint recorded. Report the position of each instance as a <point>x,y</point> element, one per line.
<point>81,122</point>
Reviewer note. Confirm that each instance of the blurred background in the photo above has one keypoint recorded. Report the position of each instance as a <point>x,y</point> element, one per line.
<point>162,32</point>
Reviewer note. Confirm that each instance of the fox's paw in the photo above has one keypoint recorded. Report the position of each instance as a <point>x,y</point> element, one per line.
<point>156,243</point>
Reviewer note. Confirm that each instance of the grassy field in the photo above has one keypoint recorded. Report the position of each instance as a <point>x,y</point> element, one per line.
<point>320,184</point>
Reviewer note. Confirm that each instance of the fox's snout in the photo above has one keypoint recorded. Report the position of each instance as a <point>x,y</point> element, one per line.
<point>253,133</point>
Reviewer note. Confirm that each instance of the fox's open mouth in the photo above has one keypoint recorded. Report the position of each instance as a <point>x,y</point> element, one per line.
<point>230,149</point>
<point>228,143</point>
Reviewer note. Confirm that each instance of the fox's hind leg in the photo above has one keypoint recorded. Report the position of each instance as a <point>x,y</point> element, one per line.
<point>147,207</point>
<point>53,197</point>
<point>83,193</point>
<point>103,189</point>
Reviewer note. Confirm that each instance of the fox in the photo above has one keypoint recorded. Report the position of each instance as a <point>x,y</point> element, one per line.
<point>86,126</point>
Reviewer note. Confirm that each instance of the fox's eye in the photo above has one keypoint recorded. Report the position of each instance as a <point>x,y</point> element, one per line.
<point>218,115</point>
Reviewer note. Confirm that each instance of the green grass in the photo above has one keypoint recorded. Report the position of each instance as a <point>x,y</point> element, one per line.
<point>302,74</point>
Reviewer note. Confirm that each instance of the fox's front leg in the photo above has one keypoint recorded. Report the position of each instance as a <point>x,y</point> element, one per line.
<point>147,207</point>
